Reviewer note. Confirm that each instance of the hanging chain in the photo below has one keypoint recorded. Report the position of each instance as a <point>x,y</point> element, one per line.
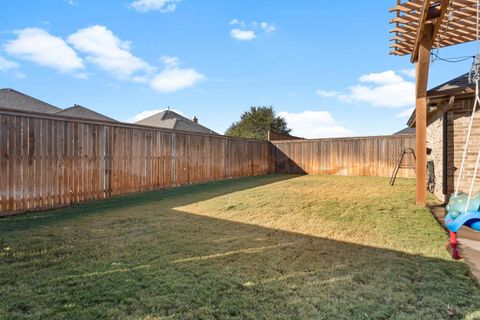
<point>443,31</point>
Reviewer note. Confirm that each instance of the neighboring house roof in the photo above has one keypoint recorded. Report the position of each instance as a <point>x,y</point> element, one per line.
<point>78,111</point>
<point>168,119</point>
<point>12,99</point>
<point>458,86</point>
<point>406,130</point>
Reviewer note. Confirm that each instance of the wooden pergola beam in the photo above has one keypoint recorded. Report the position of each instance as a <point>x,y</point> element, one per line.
<point>427,32</point>
<point>420,26</point>
<point>412,15</point>
<point>422,69</point>
<point>421,30</point>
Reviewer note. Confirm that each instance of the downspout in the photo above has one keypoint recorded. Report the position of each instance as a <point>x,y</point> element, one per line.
<point>445,156</point>
<point>445,148</point>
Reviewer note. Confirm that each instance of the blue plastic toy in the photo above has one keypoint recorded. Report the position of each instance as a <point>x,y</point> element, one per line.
<point>470,219</point>
<point>458,215</point>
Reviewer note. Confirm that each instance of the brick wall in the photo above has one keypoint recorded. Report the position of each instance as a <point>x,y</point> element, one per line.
<point>458,118</point>
<point>435,142</point>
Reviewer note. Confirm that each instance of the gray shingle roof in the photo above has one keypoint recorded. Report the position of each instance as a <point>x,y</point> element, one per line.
<point>12,99</point>
<point>406,130</point>
<point>457,85</point>
<point>78,111</point>
<point>168,119</point>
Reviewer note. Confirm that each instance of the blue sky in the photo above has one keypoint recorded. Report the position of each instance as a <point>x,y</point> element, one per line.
<point>324,66</point>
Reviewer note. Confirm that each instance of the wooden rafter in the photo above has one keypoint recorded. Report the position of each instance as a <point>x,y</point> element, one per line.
<point>454,22</point>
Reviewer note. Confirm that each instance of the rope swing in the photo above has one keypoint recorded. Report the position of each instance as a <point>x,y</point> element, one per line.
<point>476,78</point>
<point>475,69</point>
<point>464,209</point>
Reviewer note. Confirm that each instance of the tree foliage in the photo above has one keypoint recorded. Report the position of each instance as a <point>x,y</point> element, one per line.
<point>255,124</point>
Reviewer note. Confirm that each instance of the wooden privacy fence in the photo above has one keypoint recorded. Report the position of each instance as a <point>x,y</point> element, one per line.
<point>48,161</point>
<point>359,156</point>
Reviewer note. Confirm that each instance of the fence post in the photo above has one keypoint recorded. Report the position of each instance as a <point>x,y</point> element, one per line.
<point>224,157</point>
<point>174,156</point>
<point>106,162</point>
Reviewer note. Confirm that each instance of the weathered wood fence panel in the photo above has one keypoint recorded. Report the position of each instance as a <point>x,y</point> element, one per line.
<point>48,161</point>
<point>358,156</point>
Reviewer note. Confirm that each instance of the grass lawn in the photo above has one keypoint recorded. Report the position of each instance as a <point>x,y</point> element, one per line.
<point>270,247</point>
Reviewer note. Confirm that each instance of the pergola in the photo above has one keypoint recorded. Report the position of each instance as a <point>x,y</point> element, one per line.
<point>419,27</point>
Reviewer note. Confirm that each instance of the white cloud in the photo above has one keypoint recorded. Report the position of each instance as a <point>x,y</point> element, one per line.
<point>81,75</point>
<point>248,31</point>
<point>11,67</point>
<point>155,5</point>
<point>314,124</point>
<point>39,46</point>
<point>408,72</point>
<point>73,2</point>
<point>242,35</point>
<point>105,50</point>
<point>141,79</point>
<point>405,113</point>
<point>385,89</point>
<point>6,65</point>
<point>170,80</point>
<point>147,113</point>
<point>328,94</point>
<point>174,78</point>
<point>386,77</point>
<point>108,52</point>
<point>238,22</point>
<point>268,27</point>
<point>170,62</point>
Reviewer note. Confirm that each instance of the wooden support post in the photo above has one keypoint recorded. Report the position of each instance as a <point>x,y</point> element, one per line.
<point>422,69</point>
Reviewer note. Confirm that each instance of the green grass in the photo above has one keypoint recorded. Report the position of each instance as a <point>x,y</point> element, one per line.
<point>270,247</point>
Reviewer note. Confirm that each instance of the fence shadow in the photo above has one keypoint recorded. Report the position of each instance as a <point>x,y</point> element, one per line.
<point>284,162</point>
<point>350,156</point>
<point>182,195</point>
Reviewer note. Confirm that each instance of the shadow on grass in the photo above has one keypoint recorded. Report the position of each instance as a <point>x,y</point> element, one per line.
<point>183,195</point>
<point>137,257</point>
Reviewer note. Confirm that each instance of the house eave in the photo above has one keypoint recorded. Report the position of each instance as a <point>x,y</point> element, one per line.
<point>439,97</point>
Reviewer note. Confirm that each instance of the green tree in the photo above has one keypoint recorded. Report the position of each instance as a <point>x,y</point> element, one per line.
<point>255,124</point>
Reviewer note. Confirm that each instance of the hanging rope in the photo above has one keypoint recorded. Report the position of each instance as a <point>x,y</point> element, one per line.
<point>476,72</point>
<point>467,141</point>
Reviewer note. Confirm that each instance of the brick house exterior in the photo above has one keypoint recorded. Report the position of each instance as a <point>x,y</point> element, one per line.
<point>448,115</point>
